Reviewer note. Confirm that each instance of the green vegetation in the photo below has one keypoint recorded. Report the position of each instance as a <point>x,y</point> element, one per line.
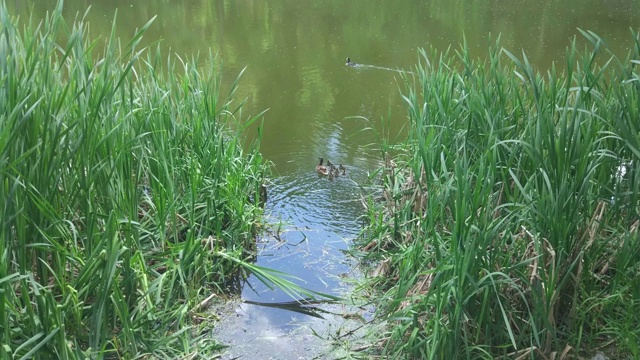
<point>508,224</point>
<point>127,198</point>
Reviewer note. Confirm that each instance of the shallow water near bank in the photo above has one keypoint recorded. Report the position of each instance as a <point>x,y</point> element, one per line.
<point>313,221</point>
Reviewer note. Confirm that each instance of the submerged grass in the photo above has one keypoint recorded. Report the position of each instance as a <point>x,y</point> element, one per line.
<point>509,224</point>
<point>127,196</point>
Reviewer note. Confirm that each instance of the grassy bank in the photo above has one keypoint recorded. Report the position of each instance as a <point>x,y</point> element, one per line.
<point>127,198</point>
<point>508,224</point>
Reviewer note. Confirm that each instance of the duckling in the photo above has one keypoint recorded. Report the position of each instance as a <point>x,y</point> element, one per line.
<point>343,169</point>
<point>350,63</point>
<point>321,169</point>
<point>334,171</point>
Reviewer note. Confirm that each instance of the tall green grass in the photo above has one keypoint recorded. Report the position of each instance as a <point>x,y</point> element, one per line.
<point>510,215</point>
<point>127,194</point>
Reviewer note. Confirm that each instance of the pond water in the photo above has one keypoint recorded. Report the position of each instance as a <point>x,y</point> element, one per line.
<point>295,55</point>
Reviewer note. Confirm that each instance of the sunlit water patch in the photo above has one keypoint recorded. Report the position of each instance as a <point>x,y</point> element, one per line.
<point>313,221</point>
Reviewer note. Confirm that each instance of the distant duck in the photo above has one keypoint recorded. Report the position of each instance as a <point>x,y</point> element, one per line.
<point>321,169</point>
<point>343,169</point>
<point>350,63</point>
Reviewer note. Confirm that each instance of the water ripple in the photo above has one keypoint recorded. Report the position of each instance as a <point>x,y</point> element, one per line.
<point>308,200</point>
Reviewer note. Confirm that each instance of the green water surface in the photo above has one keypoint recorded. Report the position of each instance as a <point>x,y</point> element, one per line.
<point>294,52</point>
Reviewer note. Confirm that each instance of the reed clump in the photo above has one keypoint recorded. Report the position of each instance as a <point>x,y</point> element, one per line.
<point>127,197</point>
<point>509,224</point>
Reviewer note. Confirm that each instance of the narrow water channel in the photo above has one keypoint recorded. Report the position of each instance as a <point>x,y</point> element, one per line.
<point>313,218</point>
<point>319,217</point>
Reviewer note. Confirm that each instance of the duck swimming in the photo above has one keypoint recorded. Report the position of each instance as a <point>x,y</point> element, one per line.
<point>343,169</point>
<point>321,169</point>
<point>350,63</point>
<point>334,171</point>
